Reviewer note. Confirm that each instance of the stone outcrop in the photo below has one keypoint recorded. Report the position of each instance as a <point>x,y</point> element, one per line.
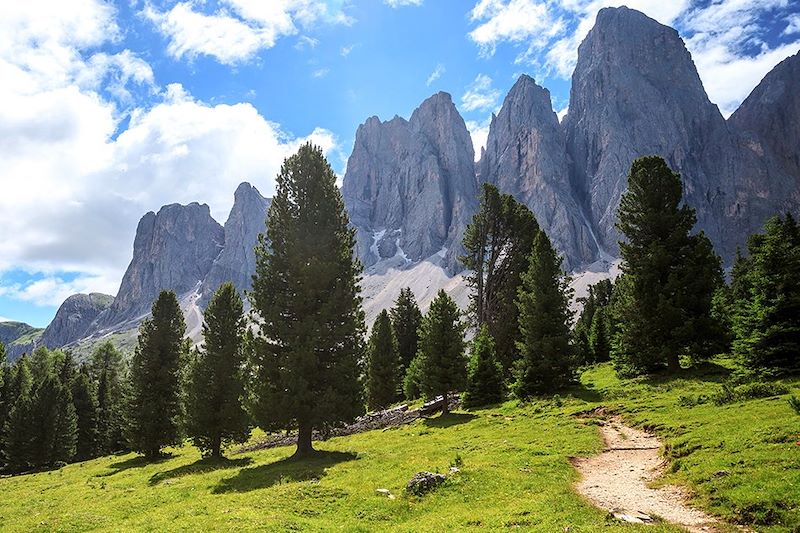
<point>526,156</point>
<point>237,260</point>
<point>410,185</point>
<point>74,318</point>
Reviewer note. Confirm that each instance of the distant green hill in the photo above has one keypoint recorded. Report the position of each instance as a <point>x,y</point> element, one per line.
<point>18,337</point>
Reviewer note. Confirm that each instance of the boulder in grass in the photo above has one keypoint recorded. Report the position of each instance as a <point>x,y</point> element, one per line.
<point>424,482</point>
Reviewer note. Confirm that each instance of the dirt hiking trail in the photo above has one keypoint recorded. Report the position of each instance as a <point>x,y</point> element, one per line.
<point>618,480</point>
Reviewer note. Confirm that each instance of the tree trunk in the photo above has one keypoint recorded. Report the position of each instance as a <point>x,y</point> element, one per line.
<point>445,405</point>
<point>304,446</point>
<point>216,447</point>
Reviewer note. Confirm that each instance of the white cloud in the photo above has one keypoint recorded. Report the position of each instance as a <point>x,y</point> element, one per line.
<point>240,28</point>
<point>304,41</point>
<point>792,26</point>
<point>401,3</point>
<point>320,73</point>
<point>479,132</point>
<point>73,190</point>
<point>514,21</point>
<point>436,74</point>
<point>563,113</point>
<point>345,50</point>
<point>480,95</point>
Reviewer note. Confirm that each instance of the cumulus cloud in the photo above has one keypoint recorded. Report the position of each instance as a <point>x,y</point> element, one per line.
<point>726,37</point>
<point>479,132</point>
<point>74,186</point>
<point>435,75</point>
<point>240,28</point>
<point>480,95</point>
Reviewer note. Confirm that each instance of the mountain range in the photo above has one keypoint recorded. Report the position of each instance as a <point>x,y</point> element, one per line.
<point>411,186</point>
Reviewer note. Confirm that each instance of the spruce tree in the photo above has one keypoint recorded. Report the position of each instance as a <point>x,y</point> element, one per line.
<point>673,275</point>
<point>406,318</point>
<point>382,364</point>
<point>215,414</point>
<point>108,370</point>
<point>85,400</point>
<point>442,365</point>
<point>19,425</point>
<point>155,409</point>
<point>766,289</point>
<point>600,336</point>
<point>546,361</point>
<point>54,424</point>
<point>484,374</point>
<point>5,400</point>
<point>307,297</point>
<point>498,242</point>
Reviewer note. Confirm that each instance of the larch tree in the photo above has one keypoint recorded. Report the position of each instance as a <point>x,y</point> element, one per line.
<point>307,355</point>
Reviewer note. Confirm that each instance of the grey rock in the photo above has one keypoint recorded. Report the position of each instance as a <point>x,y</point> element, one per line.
<point>526,156</point>
<point>73,318</point>
<point>424,482</point>
<point>636,92</point>
<point>415,178</point>
<point>237,261</point>
<point>174,249</point>
<point>18,338</point>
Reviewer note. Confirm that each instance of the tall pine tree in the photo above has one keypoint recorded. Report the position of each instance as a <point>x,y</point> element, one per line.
<point>672,275</point>
<point>484,374</point>
<point>84,398</point>
<point>54,427</point>
<point>547,362</point>
<point>406,318</point>
<point>5,400</point>
<point>155,410</point>
<point>108,370</point>
<point>498,242</point>
<point>215,413</point>
<point>307,297</point>
<point>442,365</point>
<point>382,364</point>
<point>19,425</point>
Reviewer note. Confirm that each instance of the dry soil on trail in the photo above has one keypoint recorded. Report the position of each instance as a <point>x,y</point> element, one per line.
<point>619,479</point>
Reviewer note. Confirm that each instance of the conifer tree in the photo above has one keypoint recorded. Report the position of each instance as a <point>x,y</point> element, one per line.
<point>54,424</point>
<point>546,361</point>
<point>406,318</point>
<point>108,370</point>
<point>442,365</point>
<point>599,336</point>
<point>766,289</point>
<point>484,374</point>
<point>673,275</point>
<point>307,297</point>
<point>498,242</point>
<point>85,400</point>
<point>155,410</point>
<point>215,414</point>
<point>5,400</point>
<point>382,364</point>
<point>19,425</point>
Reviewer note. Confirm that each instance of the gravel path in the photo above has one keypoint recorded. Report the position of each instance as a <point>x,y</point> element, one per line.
<point>618,480</point>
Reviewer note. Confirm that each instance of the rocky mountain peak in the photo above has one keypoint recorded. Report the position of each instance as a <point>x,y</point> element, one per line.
<point>74,318</point>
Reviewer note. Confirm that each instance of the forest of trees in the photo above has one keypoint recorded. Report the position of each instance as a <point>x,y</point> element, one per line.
<point>308,366</point>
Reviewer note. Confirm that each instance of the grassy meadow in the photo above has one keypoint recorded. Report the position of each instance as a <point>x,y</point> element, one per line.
<point>740,459</point>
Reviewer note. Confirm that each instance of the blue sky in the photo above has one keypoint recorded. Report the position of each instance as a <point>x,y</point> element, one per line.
<point>111,109</point>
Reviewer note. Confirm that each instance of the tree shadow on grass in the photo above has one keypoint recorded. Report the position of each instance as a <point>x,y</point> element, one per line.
<point>202,466</point>
<point>287,470</point>
<point>705,371</point>
<point>449,420</point>
<point>134,462</point>
<point>586,393</point>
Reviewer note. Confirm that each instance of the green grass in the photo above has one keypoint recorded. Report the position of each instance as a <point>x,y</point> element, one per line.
<point>739,458</point>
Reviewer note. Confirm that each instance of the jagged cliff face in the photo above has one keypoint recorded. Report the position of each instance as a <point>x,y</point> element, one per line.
<point>174,249</point>
<point>237,260</point>
<point>410,186</point>
<point>74,318</point>
<point>526,156</point>
<point>635,92</point>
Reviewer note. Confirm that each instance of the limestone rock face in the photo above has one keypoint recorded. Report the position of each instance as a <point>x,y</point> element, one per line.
<point>412,182</point>
<point>526,156</point>
<point>237,261</point>
<point>74,318</point>
<point>636,92</point>
<point>174,249</point>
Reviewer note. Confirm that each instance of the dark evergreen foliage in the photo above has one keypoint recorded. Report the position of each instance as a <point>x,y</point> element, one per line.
<point>215,413</point>
<point>54,424</point>
<point>547,362</point>
<point>382,364</point>
<point>485,384</point>
<point>84,399</point>
<point>307,355</point>
<point>498,243</point>
<point>598,298</point>
<point>19,425</point>
<point>442,366</point>
<point>766,299</point>
<point>406,318</point>
<point>665,311</point>
<point>108,370</point>
<point>155,409</point>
